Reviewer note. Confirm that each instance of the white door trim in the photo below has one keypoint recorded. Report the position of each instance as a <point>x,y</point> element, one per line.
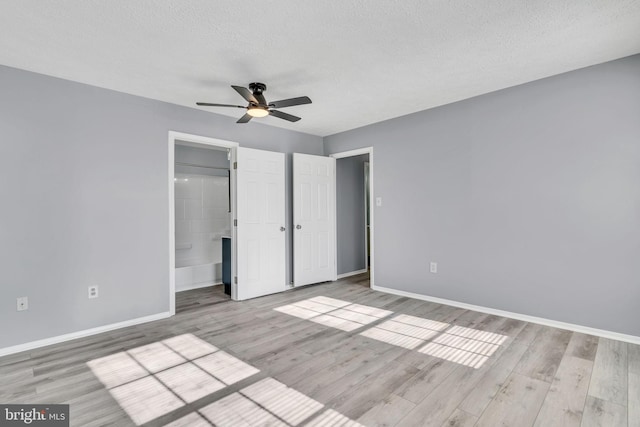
<point>366,218</point>
<point>195,141</point>
<point>357,152</point>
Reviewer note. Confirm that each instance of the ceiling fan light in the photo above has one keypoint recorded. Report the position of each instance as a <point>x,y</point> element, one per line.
<point>258,112</point>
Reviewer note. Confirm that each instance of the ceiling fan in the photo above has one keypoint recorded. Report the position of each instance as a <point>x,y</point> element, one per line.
<point>258,106</point>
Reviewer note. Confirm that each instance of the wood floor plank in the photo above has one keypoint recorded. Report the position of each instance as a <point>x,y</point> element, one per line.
<point>281,360</point>
<point>634,358</point>
<point>15,376</point>
<point>494,378</point>
<point>609,377</point>
<point>322,360</point>
<point>583,346</point>
<point>438,406</point>
<point>356,401</point>
<point>600,413</point>
<point>348,364</point>
<point>11,359</point>
<point>365,372</point>
<point>428,378</point>
<point>565,400</point>
<point>516,404</point>
<point>460,418</point>
<point>544,354</point>
<point>634,400</point>
<point>387,412</point>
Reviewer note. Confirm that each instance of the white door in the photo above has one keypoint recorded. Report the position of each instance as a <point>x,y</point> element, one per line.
<point>261,265</point>
<point>314,219</point>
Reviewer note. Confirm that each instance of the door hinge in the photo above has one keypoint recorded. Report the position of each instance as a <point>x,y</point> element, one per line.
<point>235,165</point>
<point>235,222</point>
<point>235,280</point>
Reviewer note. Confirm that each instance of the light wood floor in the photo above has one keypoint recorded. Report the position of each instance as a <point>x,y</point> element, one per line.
<point>539,376</point>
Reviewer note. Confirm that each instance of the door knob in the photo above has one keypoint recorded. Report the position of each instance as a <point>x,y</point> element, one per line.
<point>282,229</point>
<point>299,227</point>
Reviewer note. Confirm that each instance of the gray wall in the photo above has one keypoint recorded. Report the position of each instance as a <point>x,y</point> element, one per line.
<point>528,198</point>
<point>350,213</point>
<point>83,184</point>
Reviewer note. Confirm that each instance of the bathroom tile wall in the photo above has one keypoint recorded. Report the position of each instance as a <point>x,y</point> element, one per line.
<point>202,218</point>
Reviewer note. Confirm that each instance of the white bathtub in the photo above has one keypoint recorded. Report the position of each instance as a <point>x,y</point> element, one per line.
<point>198,276</point>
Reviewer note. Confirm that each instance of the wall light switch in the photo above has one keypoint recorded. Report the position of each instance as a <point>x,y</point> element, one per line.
<point>23,303</point>
<point>378,201</point>
<point>93,292</point>
<point>433,267</point>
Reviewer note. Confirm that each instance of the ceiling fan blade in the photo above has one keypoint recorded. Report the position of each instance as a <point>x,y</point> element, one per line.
<point>246,94</point>
<point>290,102</point>
<point>260,98</point>
<point>285,116</point>
<point>245,118</point>
<point>208,104</point>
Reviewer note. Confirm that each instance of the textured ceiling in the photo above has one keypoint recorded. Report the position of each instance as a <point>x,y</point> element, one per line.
<point>359,61</point>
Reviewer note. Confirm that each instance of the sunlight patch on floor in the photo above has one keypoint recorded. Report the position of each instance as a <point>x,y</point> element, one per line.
<point>117,369</point>
<point>392,338</point>
<point>145,399</point>
<point>236,410</point>
<point>192,420</point>
<point>458,344</point>
<point>225,367</point>
<point>286,403</point>
<point>467,358</point>
<point>331,418</point>
<point>189,383</point>
<point>188,347</point>
<point>478,335</point>
<point>465,346</point>
<point>156,357</point>
<point>271,403</point>
<point>334,313</point>
<point>154,380</point>
<point>405,331</point>
<point>421,322</point>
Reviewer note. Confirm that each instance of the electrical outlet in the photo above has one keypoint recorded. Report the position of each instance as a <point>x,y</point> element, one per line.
<point>433,267</point>
<point>23,303</point>
<point>378,201</point>
<point>93,292</point>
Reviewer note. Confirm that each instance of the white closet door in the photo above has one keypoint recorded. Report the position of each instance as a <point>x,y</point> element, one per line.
<point>314,219</point>
<point>261,263</point>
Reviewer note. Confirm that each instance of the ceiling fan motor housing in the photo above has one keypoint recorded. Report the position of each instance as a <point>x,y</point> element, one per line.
<point>257,88</point>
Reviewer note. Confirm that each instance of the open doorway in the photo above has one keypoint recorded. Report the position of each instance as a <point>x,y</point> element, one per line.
<point>202,221</point>
<point>201,211</point>
<point>354,215</point>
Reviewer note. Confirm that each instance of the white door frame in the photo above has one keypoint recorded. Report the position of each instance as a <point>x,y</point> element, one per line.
<point>352,153</point>
<point>179,138</point>
<point>367,201</point>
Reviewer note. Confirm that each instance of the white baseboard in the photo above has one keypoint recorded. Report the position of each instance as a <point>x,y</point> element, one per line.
<point>197,286</point>
<point>524,317</point>
<point>80,334</point>
<point>352,273</point>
